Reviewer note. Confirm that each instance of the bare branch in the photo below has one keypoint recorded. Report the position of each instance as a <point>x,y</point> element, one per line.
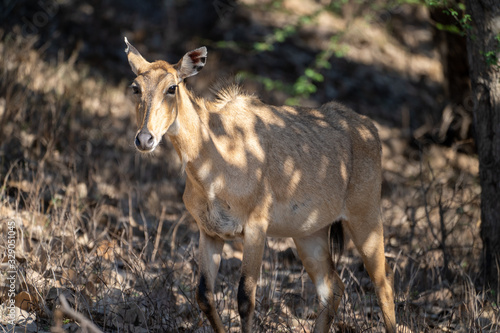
<point>87,325</point>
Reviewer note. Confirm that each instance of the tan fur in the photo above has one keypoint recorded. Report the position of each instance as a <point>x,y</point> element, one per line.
<point>255,170</point>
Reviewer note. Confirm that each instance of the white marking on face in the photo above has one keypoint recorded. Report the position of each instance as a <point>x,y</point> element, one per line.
<point>173,129</point>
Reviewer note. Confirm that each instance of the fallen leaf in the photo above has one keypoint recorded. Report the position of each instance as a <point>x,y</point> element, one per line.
<point>24,301</point>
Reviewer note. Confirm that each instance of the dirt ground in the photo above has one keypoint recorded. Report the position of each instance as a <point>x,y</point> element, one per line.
<point>104,226</point>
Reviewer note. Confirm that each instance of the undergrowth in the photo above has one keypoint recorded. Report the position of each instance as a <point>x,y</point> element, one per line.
<point>106,228</point>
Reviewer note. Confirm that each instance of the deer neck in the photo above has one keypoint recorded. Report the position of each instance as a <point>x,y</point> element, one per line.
<point>191,139</point>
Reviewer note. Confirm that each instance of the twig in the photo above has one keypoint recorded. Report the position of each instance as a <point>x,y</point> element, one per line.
<point>424,197</point>
<point>146,235</point>
<point>4,186</point>
<point>131,223</point>
<point>444,235</point>
<point>86,325</point>
<point>174,232</point>
<point>158,234</point>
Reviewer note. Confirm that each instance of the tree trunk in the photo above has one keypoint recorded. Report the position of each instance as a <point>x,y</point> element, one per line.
<point>483,51</point>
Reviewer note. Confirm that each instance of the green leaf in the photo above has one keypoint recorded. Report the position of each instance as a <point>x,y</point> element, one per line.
<point>305,20</point>
<point>280,36</point>
<point>289,29</point>
<point>449,27</point>
<point>260,46</point>
<point>292,101</point>
<point>312,74</point>
<point>323,63</point>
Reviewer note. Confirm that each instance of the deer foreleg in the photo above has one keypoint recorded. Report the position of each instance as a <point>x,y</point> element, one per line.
<point>209,255</point>
<point>253,250</point>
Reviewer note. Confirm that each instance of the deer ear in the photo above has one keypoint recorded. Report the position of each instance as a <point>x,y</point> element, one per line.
<point>135,59</point>
<point>191,63</point>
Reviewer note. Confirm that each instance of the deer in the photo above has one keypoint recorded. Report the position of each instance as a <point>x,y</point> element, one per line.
<point>255,170</point>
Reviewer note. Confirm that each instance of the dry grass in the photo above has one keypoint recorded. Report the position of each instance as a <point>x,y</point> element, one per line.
<point>106,227</point>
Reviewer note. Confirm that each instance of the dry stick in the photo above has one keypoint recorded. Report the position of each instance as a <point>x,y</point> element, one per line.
<point>43,304</point>
<point>424,197</point>
<point>174,232</point>
<point>87,325</point>
<point>131,223</point>
<point>158,234</point>
<point>7,175</point>
<point>444,235</point>
<point>497,263</point>
<point>146,235</point>
<point>441,242</point>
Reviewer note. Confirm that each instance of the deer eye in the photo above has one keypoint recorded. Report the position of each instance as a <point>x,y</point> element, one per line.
<point>135,88</point>
<point>171,89</point>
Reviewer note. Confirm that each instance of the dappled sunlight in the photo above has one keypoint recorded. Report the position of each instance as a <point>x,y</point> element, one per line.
<point>295,175</point>
<point>116,231</point>
<point>323,168</point>
<point>296,194</point>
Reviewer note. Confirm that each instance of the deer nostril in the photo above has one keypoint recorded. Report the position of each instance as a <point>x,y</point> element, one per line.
<point>144,140</point>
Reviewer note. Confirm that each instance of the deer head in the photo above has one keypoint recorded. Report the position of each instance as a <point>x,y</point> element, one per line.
<point>157,87</point>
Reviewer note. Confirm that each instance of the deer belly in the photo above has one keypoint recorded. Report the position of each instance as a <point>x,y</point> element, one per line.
<point>299,219</point>
<point>216,220</point>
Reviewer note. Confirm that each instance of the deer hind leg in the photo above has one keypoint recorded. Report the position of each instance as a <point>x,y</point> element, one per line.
<point>367,235</point>
<point>316,257</point>
<point>209,256</point>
